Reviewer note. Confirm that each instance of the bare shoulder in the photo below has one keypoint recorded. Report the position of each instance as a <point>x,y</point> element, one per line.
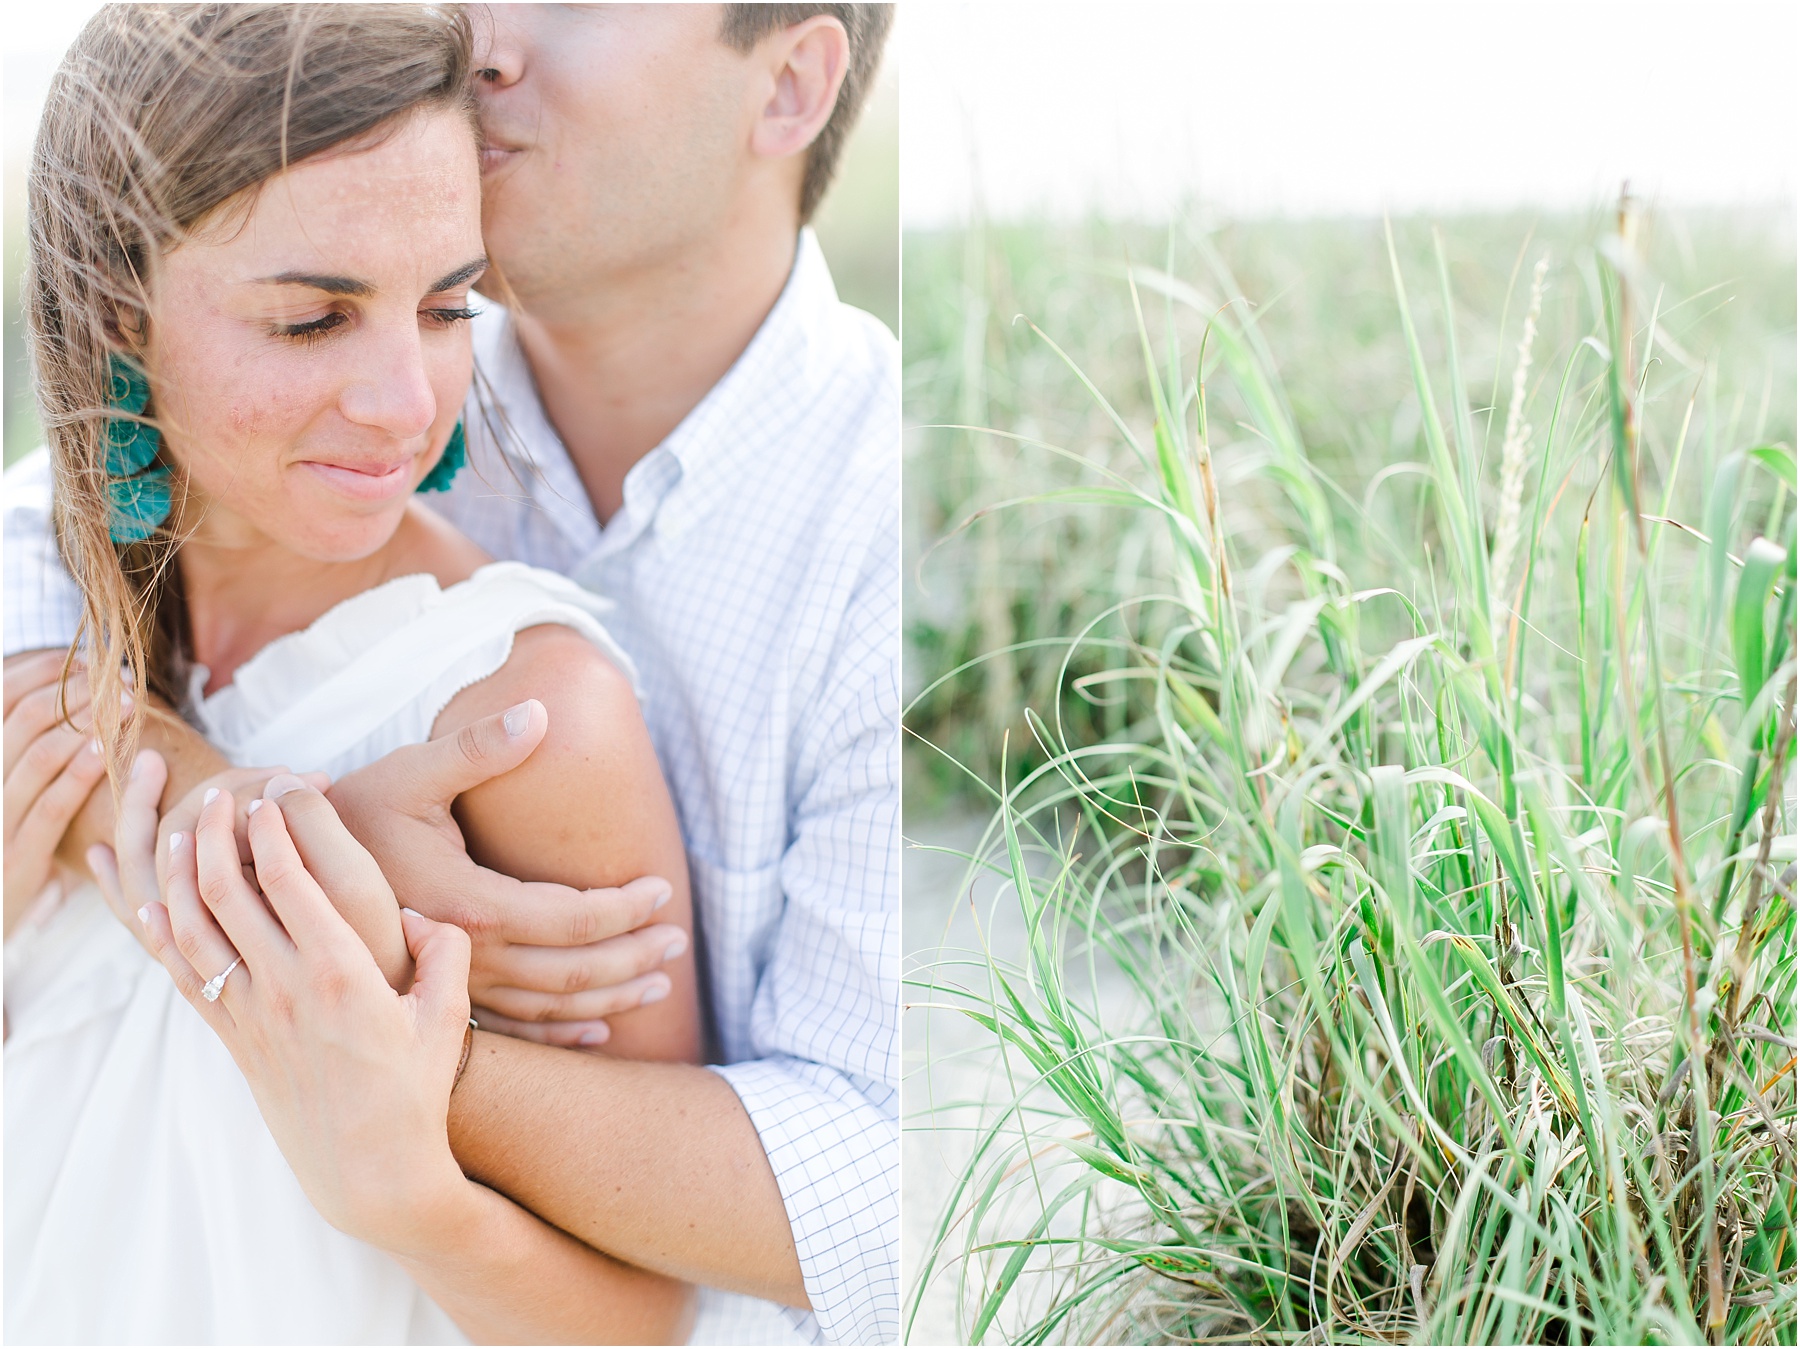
<point>589,699</point>
<point>592,782</point>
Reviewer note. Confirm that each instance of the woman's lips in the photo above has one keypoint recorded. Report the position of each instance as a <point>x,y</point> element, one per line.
<point>369,482</point>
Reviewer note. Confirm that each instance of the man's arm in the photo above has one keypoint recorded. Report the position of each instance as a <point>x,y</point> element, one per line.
<point>785,1183</point>
<point>654,1163</point>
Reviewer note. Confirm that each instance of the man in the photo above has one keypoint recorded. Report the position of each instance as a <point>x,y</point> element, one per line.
<point>690,423</point>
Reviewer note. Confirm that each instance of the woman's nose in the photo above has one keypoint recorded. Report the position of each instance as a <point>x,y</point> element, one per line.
<point>392,389</point>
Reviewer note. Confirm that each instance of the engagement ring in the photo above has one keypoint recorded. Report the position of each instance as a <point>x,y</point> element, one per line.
<point>217,982</point>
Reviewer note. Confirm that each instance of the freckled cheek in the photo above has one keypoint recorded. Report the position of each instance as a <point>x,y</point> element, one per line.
<point>244,426</point>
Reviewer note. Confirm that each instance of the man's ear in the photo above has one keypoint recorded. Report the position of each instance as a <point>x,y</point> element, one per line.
<point>807,61</point>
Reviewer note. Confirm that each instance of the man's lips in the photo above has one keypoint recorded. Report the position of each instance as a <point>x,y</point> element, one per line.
<point>363,482</point>
<point>496,154</point>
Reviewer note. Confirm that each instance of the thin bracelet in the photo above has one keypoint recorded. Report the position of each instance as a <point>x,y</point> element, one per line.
<point>468,1044</point>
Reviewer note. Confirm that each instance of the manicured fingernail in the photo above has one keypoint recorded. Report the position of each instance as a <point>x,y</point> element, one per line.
<point>655,993</point>
<point>597,1036</point>
<point>253,807</point>
<point>281,784</point>
<point>93,747</point>
<point>141,762</point>
<point>175,840</point>
<point>414,912</point>
<point>662,898</point>
<point>144,915</point>
<point>212,794</point>
<point>516,719</point>
<point>676,947</point>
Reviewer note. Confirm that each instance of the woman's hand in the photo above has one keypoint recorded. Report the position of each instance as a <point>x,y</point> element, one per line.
<point>353,1079</point>
<point>53,765</point>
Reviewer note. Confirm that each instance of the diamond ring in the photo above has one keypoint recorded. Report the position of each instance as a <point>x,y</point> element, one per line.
<point>217,982</point>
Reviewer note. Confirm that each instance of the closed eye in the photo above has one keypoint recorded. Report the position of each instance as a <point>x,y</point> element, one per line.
<point>446,317</point>
<point>312,330</point>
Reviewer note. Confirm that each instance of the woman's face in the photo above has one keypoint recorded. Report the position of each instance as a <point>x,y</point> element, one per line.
<point>310,358</point>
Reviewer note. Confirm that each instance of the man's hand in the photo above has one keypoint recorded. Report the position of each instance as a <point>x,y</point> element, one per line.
<point>53,765</point>
<point>549,962</point>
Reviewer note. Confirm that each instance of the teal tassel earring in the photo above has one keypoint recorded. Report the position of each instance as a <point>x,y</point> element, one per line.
<point>139,495</point>
<point>455,455</point>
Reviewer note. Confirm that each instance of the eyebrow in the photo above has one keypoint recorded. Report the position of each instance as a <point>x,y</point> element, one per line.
<point>344,285</point>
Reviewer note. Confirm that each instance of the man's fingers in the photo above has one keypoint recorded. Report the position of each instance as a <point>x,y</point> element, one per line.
<point>529,1005</point>
<point>447,767</point>
<point>540,913</point>
<point>561,1034</point>
<point>579,969</point>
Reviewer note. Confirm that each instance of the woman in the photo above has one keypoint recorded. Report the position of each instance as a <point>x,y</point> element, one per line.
<point>253,234</point>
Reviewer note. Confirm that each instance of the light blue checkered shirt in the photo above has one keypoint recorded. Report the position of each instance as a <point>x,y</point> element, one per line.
<point>755,566</point>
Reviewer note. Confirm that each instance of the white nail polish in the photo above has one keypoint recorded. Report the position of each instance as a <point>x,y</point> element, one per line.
<point>661,900</point>
<point>175,841</point>
<point>517,719</point>
<point>592,1037</point>
<point>212,794</point>
<point>144,915</point>
<point>655,993</point>
<point>253,807</point>
<point>94,747</point>
<point>676,947</point>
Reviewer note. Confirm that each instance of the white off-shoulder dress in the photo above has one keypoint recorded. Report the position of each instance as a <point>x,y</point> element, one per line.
<point>145,1200</point>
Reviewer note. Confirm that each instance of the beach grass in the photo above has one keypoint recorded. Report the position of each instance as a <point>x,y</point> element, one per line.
<point>1373,650</point>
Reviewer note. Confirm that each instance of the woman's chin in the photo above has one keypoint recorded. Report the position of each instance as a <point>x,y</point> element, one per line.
<point>343,537</point>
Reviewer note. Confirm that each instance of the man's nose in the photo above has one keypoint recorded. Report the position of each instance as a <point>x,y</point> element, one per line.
<point>499,60</point>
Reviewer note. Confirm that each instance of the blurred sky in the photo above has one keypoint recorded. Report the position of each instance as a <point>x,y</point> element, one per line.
<point>1349,107</point>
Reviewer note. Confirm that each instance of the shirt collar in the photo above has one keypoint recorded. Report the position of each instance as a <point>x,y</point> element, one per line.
<point>698,463</point>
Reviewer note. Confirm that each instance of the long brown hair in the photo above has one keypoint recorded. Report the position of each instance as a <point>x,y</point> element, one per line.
<point>160,118</point>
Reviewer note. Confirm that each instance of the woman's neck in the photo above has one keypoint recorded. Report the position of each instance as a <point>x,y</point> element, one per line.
<point>242,594</point>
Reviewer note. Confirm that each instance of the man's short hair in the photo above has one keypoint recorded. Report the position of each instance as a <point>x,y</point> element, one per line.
<point>867,28</point>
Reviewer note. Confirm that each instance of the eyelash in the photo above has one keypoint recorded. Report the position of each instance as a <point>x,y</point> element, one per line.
<point>308,333</point>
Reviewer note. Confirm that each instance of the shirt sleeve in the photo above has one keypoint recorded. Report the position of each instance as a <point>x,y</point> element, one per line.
<point>43,605</point>
<point>823,1089</point>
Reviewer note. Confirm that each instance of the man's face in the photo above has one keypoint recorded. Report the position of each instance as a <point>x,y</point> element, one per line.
<point>617,135</point>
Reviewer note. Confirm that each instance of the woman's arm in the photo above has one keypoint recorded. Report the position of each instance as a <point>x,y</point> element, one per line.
<point>372,1153</point>
<point>589,808</point>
